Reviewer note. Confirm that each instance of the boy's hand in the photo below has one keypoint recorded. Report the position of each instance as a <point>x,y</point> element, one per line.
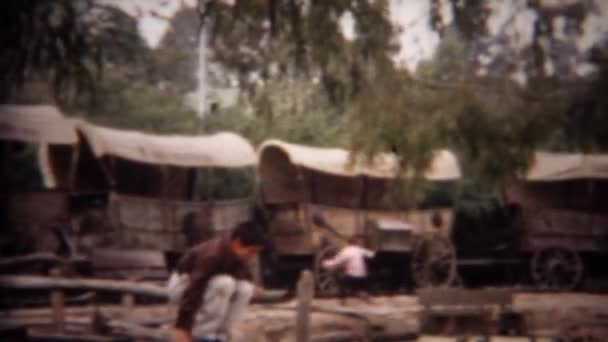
<point>181,335</point>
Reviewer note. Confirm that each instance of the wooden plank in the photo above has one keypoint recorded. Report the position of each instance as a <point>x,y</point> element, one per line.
<point>58,313</point>
<point>133,274</point>
<point>73,174</point>
<point>488,261</point>
<point>128,302</point>
<point>123,331</point>
<point>47,283</point>
<point>305,295</point>
<point>431,338</point>
<point>449,296</point>
<point>36,258</point>
<point>57,304</point>
<point>39,337</point>
<point>143,289</point>
<point>336,336</point>
<point>104,258</point>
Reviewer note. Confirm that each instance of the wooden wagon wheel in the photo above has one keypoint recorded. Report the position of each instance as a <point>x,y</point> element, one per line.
<point>326,280</point>
<point>556,268</point>
<point>433,261</point>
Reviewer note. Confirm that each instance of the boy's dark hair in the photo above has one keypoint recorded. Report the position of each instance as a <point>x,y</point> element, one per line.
<point>249,233</point>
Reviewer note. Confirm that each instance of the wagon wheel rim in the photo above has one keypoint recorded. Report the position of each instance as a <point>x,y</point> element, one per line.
<point>326,281</point>
<point>433,262</point>
<point>556,269</point>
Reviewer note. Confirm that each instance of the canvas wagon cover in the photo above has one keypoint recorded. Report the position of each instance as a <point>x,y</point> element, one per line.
<point>567,166</point>
<point>336,161</point>
<point>291,173</point>
<point>36,124</point>
<point>563,202</point>
<point>223,149</point>
<point>563,180</point>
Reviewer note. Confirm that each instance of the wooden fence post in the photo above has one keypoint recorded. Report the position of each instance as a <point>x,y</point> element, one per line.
<point>305,294</point>
<point>128,302</point>
<point>57,303</point>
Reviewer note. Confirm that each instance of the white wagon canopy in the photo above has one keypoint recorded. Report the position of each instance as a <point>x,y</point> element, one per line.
<point>224,149</point>
<point>36,124</point>
<point>112,158</point>
<point>294,173</point>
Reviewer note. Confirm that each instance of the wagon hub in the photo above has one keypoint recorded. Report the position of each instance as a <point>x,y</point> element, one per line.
<point>556,268</point>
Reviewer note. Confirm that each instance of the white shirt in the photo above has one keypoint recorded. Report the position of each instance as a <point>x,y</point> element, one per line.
<point>352,259</point>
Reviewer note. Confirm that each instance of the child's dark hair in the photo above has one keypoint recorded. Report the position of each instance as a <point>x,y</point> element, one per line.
<point>249,233</point>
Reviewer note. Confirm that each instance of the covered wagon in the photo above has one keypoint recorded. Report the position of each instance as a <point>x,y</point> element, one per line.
<point>562,218</point>
<point>300,183</point>
<point>145,185</point>
<point>110,189</point>
<point>32,217</point>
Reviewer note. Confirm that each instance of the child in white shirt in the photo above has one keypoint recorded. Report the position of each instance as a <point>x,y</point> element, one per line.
<point>351,261</point>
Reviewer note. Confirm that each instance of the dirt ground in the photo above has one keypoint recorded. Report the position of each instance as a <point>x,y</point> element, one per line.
<point>331,320</point>
<point>357,320</point>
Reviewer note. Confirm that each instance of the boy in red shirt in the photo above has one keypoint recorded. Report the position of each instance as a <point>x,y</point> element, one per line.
<point>213,279</point>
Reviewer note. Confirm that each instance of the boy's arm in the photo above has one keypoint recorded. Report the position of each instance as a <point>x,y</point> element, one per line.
<point>335,261</point>
<point>368,253</point>
<point>193,295</point>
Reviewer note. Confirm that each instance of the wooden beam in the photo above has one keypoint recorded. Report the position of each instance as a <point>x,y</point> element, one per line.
<point>306,288</point>
<point>128,302</point>
<point>305,207</point>
<point>210,177</point>
<point>35,258</point>
<point>47,283</point>
<point>74,168</point>
<point>39,337</point>
<point>107,173</point>
<point>57,304</point>
<point>27,282</point>
<point>362,212</point>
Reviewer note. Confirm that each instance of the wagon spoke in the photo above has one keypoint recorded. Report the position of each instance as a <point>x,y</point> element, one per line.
<point>556,268</point>
<point>325,279</point>
<point>433,262</point>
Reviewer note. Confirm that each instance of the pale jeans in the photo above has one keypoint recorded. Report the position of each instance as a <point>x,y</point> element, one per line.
<point>224,301</point>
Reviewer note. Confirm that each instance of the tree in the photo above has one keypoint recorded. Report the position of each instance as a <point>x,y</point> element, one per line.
<point>466,98</point>
<point>585,128</point>
<point>293,58</point>
<point>59,42</point>
<point>455,100</point>
<point>127,99</point>
<point>445,104</point>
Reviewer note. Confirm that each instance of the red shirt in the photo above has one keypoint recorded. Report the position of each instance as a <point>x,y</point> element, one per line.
<point>202,262</point>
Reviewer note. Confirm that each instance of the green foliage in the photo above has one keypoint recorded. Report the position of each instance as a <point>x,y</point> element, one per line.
<point>585,127</point>
<point>313,128</point>
<point>284,41</point>
<point>484,227</point>
<point>221,183</point>
<point>489,122</point>
<point>304,82</point>
<point>59,41</point>
<point>128,103</point>
<point>19,167</point>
